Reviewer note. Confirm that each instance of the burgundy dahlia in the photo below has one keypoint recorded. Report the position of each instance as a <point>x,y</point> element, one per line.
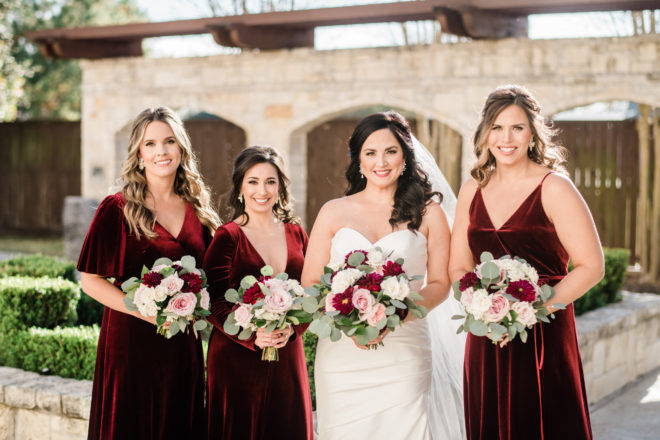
<point>392,269</point>
<point>253,294</point>
<point>343,302</point>
<point>191,282</point>
<point>522,290</point>
<point>470,279</point>
<point>177,267</point>
<point>152,279</point>
<point>370,281</point>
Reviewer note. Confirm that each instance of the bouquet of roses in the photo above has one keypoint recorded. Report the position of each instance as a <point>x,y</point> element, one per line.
<point>270,302</point>
<point>174,292</point>
<point>361,296</point>
<point>502,298</point>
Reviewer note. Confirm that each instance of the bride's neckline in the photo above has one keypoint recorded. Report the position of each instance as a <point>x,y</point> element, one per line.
<point>348,228</point>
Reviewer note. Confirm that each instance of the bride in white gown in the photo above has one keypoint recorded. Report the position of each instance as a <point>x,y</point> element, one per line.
<point>411,387</point>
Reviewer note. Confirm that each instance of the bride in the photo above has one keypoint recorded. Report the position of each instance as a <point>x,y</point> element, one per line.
<point>411,387</point>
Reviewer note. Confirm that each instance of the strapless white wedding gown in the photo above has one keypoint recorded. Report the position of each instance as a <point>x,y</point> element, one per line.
<point>377,394</point>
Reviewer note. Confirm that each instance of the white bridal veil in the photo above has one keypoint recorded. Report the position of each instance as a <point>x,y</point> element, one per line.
<point>446,417</point>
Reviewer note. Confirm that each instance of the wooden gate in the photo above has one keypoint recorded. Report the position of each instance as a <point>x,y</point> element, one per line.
<point>603,162</point>
<point>39,167</point>
<point>217,143</point>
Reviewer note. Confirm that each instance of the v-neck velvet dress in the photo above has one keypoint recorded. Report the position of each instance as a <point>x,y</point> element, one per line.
<point>533,390</point>
<point>251,399</point>
<point>145,386</point>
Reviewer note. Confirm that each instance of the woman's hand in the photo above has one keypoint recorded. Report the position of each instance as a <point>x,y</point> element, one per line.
<point>375,341</point>
<point>276,338</point>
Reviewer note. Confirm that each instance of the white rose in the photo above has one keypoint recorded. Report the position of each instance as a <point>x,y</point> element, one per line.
<point>205,299</point>
<point>375,258</point>
<point>531,273</point>
<point>396,288</point>
<point>243,315</point>
<point>526,314</point>
<point>336,264</point>
<point>148,309</point>
<point>295,287</point>
<point>481,302</point>
<point>161,292</point>
<point>262,313</point>
<point>345,279</point>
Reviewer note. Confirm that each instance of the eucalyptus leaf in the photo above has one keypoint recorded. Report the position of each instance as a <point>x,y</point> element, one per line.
<point>560,306</point>
<point>399,261</point>
<point>270,327</point>
<point>490,270</point>
<point>309,304</point>
<point>398,304</point>
<point>459,330</point>
<point>128,302</point>
<point>417,313</point>
<point>389,310</point>
<point>130,283</point>
<point>371,332</point>
<point>248,282</point>
<point>325,330</point>
<point>230,326</point>
<point>200,325</point>
<point>332,313</point>
<point>497,328</point>
<point>457,288</point>
<point>381,324</point>
<point>335,335</point>
<point>365,268</point>
<point>174,328</point>
<point>293,320</point>
<point>356,258</point>
<point>351,331</point>
<point>267,271</point>
<point>362,339</point>
<point>478,328</point>
<point>326,279</point>
<point>523,335</point>
<point>231,295</point>
<point>245,334</point>
<point>458,317</point>
<point>188,262</point>
<point>423,310</point>
<point>486,256</point>
<point>393,321</point>
<point>264,289</point>
<point>314,326</point>
<point>163,260</point>
<point>415,296</point>
<point>282,276</point>
<point>312,291</point>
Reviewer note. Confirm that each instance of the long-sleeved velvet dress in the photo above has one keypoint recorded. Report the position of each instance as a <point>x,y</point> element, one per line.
<point>533,390</point>
<point>145,386</point>
<point>251,399</point>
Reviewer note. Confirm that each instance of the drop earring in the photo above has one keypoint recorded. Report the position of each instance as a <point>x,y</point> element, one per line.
<point>403,170</point>
<point>531,145</point>
<point>361,173</point>
<point>141,164</point>
<point>240,198</point>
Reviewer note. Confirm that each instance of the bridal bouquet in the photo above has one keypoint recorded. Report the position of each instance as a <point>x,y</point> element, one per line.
<point>502,298</point>
<point>270,302</point>
<point>361,296</point>
<point>174,292</point>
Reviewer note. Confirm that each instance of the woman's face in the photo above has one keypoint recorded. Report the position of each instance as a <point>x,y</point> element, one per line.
<point>509,136</point>
<point>159,150</point>
<point>260,188</point>
<point>381,159</point>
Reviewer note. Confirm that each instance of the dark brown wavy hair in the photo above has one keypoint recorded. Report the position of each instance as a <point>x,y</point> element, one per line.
<point>544,151</point>
<point>246,159</point>
<point>413,192</point>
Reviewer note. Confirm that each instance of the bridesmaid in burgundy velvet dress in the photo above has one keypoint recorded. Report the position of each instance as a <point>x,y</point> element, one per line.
<point>251,399</point>
<point>146,386</point>
<point>522,203</point>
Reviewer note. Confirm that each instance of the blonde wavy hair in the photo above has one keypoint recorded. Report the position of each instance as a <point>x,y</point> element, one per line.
<point>544,151</point>
<point>188,183</point>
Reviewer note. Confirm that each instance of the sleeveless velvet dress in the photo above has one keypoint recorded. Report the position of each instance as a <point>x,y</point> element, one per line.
<point>251,399</point>
<point>145,386</point>
<point>533,390</point>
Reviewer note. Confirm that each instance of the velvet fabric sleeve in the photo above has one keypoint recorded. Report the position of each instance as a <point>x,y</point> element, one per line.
<point>105,244</point>
<point>218,266</point>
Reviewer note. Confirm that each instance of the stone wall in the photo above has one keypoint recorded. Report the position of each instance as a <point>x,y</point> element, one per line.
<point>618,343</point>
<point>42,407</point>
<point>278,96</point>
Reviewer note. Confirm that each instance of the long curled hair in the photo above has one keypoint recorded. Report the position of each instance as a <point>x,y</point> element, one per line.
<point>188,183</point>
<point>413,192</point>
<point>543,149</point>
<point>246,159</point>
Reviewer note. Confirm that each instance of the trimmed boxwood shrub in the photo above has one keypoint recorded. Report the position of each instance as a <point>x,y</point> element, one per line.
<point>89,310</point>
<point>38,266</point>
<point>67,352</point>
<point>310,341</point>
<point>607,290</point>
<point>37,302</point>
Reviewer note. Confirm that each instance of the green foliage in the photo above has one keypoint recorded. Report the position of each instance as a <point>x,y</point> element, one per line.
<point>310,341</point>
<point>52,87</point>
<point>67,352</point>
<point>607,290</point>
<point>38,266</point>
<point>43,302</point>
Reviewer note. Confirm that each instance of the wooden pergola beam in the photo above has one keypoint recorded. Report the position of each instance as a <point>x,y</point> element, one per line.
<point>290,29</point>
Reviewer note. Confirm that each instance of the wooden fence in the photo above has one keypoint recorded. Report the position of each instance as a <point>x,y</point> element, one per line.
<point>39,166</point>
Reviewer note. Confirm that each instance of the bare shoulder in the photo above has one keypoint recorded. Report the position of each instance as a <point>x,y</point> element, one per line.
<point>331,211</point>
<point>434,212</point>
<point>558,185</point>
<point>468,189</point>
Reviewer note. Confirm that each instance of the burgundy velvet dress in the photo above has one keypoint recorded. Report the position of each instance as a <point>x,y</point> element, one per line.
<point>533,390</point>
<point>251,399</point>
<point>145,386</point>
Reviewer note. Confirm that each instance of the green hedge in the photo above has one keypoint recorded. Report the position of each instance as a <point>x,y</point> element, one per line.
<point>67,352</point>
<point>310,340</point>
<point>38,266</point>
<point>607,290</point>
<point>89,310</point>
<point>37,302</point>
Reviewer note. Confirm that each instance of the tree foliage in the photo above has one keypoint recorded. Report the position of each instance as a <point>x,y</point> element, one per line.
<point>50,88</point>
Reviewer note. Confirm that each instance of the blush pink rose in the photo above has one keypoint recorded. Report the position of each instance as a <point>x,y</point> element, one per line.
<point>363,300</point>
<point>182,304</point>
<point>328,302</point>
<point>466,296</point>
<point>172,283</point>
<point>205,299</point>
<point>498,310</point>
<point>278,301</point>
<point>526,313</point>
<point>243,315</point>
<point>378,313</point>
